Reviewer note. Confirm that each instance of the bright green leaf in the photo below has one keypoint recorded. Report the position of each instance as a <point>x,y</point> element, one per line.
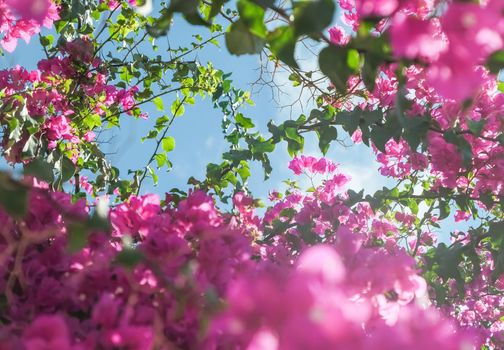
<point>168,144</point>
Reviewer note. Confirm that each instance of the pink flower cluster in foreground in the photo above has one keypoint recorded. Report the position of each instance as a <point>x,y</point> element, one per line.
<point>453,39</point>
<point>210,280</point>
<point>21,19</point>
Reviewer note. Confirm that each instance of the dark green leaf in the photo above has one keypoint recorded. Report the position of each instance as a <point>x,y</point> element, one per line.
<point>282,42</point>
<point>78,235</point>
<point>252,15</point>
<point>313,16</point>
<point>195,18</point>
<point>240,41</point>
<point>476,126</point>
<point>13,196</point>
<point>333,62</point>
<point>161,26</point>
<point>184,6</point>
<point>415,131</point>
<point>67,169</point>
<point>381,134</point>
<point>40,169</point>
<point>496,62</point>
<point>129,257</point>
<point>326,135</point>
<point>216,7</point>
<point>370,70</point>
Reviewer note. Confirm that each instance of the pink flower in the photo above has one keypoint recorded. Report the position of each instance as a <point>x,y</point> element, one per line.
<point>376,7</point>
<point>445,158</point>
<point>30,9</point>
<point>454,77</point>
<point>338,36</point>
<point>322,262</point>
<point>106,311</point>
<point>312,165</point>
<point>133,217</point>
<point>89,136</point>
<point>47,332</point>
<point>21,19</point>
<point>58,128</point>
<point>131,337</point>
<point>112,4</point>
<point>406,219</point>
<point>461,215</point>
<point>412,38</point>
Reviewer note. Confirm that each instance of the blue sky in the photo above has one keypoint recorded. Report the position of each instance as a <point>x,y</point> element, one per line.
<point>198,136</point>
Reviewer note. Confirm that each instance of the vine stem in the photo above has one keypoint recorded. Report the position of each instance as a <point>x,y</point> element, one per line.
<point>158,144</point>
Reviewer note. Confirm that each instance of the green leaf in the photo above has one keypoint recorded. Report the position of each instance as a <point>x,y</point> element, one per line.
<point>444,210</point>
<point>240,41</point>
<point>153,175</point>
<point>47,40</point>
<point>413,205</point>
<point>353,59</point>
<point>326,135</point>
<point>244,171</point>
<point>30,147</point>
<point>252,16</point>
<point>415,131</point>
<point>445,262</point>
<point>295,146</point>
<point>184,6</point>
<point>381,134</point>
<point>168,144</point>
<point>129,257</point>
<point>476,126</point>
<point>158,102</point>
<point>78,235</point>
<point>292,133</point>
<point>67,169</point>
<point>243,121</point>
<point>282,43</point>
<point>161,159</point>
<point>354,197</point>
<point>162,25</point>
<point>313,16</point>
<point>195,18</point>
<point>496,62</point>
<point>215,9</point>
<point>177,108</point>
<point>370,70</point>
<point>500,86</point>
<point>13,196</point>
<point>333,62</point>
<point>259,146</point>
<point>40,169</point>
<point>324,116</point>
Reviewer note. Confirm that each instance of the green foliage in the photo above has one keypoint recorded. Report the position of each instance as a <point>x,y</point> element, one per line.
<point>13,196</point>
<point>495,62</point>
<point>168,144</point>
<point>240,40</point>
<point>282,43</point>
<point>334,63</point>
<point>313,16</point>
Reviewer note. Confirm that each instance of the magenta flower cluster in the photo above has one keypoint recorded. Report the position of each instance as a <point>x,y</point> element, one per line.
<point>204,280</point>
